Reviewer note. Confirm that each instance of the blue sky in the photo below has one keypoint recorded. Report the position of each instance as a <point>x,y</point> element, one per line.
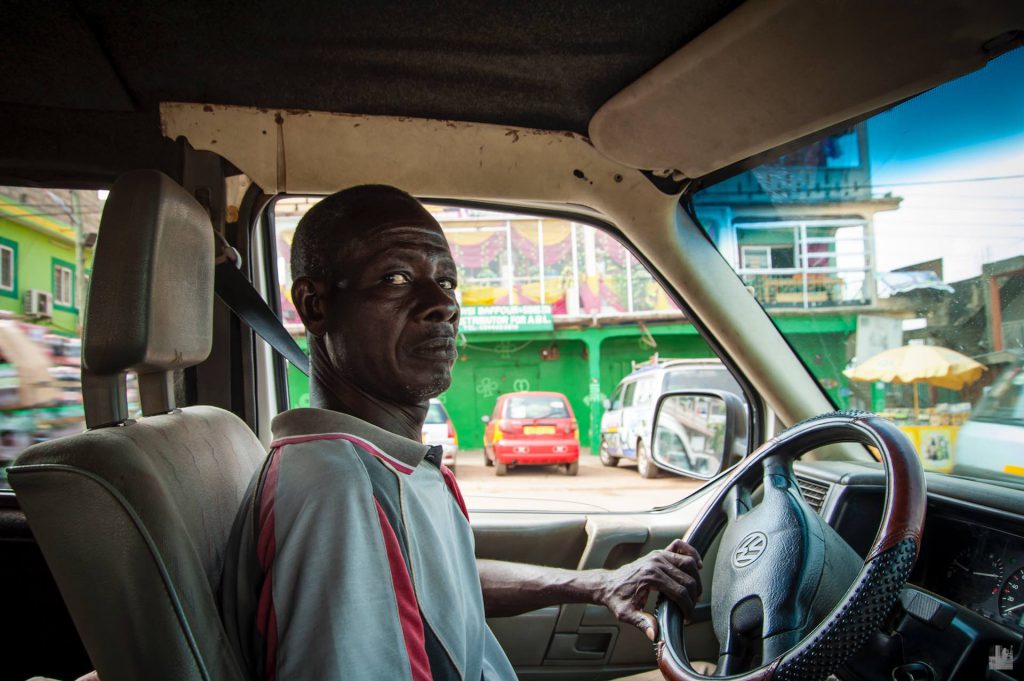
<point>940,153</point>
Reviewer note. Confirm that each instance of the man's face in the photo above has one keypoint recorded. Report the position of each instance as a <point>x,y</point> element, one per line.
<point>392,315</point>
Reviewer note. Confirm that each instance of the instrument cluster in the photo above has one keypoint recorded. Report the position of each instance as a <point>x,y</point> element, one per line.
<point>979,567</point>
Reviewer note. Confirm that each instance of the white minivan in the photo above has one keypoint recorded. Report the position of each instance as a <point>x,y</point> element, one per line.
<point>991,443</point>
<point>626,426</point>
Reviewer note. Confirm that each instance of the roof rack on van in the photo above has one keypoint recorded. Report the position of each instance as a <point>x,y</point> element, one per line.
<point>655,362</point>
<point>652,361</point>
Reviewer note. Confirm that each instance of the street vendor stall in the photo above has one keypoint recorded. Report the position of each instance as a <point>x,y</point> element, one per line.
<point>932,365</point>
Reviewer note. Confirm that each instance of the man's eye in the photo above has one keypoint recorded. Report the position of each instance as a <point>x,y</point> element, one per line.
<point>447,284</point>
<point>397,278</point>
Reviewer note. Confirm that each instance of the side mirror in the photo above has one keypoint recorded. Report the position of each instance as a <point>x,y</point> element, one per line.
<point>698,433</point>
<point>485,418</point>
<point>606,403</point>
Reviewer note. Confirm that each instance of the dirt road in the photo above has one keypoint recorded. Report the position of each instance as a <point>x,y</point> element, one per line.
<point>548,488</point>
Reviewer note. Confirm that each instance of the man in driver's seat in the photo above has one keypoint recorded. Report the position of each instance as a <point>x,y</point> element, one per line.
<point>352,557</point>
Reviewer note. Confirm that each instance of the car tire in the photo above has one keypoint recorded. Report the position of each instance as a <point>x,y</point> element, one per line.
<point>487,460</point>
<point>645,465</point>
<point>606,456</point>
<point>572,468</point>
<point>500,468</point>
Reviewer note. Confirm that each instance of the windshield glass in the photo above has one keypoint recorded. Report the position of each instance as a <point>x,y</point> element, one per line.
<point>435,413</point>
<point>891,256</point>
<point>1004,401</point>
<point>536,407</point>
<point>708,379</point>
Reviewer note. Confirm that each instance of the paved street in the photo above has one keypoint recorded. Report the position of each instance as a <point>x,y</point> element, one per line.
<point>596,487</point>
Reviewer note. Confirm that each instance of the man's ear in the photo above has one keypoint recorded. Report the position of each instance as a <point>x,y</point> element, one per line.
<point>310,301</point>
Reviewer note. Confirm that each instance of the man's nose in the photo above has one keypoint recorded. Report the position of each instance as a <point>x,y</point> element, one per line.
<point>438,304</point>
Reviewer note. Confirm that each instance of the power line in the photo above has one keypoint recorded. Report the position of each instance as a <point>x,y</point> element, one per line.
<point>993,178</point>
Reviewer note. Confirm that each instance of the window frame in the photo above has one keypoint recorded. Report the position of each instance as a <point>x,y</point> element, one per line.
<point>11,247</point>
<point>56,267</point>
<point>759,414</point>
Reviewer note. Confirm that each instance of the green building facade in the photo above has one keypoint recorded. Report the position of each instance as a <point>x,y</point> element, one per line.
<point>586,364</point>
<point>38,253</point>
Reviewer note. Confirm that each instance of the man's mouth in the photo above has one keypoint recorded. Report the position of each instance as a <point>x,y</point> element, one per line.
<point>440,348</point>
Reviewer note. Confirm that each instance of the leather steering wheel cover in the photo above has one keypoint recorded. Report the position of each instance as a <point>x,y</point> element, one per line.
<point>877,587</point>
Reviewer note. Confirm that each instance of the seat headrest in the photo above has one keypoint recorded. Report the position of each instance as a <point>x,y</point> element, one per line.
<point>150,306</point>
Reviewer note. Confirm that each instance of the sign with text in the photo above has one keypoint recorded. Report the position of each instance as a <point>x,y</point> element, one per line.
<point>506,318</point>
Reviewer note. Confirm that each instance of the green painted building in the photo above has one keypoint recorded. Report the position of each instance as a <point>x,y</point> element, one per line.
<point>41,268</point>
<point>586,364</point>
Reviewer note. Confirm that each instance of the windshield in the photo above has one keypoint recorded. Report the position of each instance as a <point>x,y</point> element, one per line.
<point>536,407</point>
<point>891,256</point>
<point>1004,401</point>
<point>708,379</point>
<point>435,413</point>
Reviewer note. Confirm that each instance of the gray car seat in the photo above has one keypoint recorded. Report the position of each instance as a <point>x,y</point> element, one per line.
<point>133,516</point>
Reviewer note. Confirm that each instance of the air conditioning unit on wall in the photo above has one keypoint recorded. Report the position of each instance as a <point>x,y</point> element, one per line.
<point>38,304</point>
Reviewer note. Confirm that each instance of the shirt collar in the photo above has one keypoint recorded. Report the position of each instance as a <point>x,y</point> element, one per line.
<point>311,421</point>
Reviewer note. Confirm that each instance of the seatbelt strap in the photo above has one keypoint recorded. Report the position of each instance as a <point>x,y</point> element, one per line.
<point>238,293</point>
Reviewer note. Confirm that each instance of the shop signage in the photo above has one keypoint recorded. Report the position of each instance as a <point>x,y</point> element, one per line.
<point>493,318</point>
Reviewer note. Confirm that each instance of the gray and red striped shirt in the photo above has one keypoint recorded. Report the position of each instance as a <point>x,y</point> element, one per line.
<point>352,558</point>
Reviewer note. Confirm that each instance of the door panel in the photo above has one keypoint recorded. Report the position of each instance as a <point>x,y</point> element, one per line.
<point>577,641</point>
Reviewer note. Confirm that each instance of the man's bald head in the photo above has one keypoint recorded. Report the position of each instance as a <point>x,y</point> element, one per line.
<point>326,230</point>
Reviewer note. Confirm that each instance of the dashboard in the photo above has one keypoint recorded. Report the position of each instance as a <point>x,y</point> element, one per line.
<point>961,615</point>
<point>975,565</point>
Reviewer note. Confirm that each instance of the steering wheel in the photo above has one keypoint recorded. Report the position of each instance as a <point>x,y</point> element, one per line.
<point>781,568</point>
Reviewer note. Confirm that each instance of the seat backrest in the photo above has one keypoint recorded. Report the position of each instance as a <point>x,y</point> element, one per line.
<point>133,516</point>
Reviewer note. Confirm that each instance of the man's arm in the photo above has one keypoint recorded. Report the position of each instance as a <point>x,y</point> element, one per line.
<point>514,588</point>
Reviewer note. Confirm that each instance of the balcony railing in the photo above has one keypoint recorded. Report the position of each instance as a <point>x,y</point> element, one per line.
<point>793,287</point>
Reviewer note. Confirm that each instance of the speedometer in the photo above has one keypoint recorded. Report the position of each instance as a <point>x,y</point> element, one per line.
<point>1011,598</point>
<point>974,577</point>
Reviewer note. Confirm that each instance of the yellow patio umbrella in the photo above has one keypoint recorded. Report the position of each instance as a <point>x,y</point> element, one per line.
<point>913,364</point>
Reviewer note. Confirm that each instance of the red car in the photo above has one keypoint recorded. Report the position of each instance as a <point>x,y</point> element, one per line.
<point>532,429</point>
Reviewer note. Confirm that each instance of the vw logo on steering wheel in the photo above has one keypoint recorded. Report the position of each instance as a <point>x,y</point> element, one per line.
<point>749,549</point>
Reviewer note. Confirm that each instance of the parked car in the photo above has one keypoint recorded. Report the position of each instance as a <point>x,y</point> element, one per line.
<point>629,415</point>
<point>439,430</point>
<point>991,443</point>
<point>532,429</point>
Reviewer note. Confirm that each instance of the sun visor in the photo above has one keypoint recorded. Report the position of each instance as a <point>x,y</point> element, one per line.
<point>314,152</point>
<point>774,71</point>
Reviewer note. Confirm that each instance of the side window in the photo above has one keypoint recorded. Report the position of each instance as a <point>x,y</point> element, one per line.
<point>8,263</point>
<point>644,390</point>
<point>557,311</point>
<point>63,286</point>
<point>617,398</point>
<point>46,250</point>
<point>629,395</point>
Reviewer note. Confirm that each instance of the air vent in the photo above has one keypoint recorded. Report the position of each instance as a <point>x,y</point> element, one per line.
<point>814,493</point>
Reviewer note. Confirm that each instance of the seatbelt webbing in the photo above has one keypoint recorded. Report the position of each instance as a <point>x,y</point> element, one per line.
<point>238,294</point>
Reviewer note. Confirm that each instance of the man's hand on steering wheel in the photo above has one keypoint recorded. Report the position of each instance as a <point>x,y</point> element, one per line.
<point>672,571</point>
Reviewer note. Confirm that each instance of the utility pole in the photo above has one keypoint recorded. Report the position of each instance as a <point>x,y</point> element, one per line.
<point>78,298</point>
